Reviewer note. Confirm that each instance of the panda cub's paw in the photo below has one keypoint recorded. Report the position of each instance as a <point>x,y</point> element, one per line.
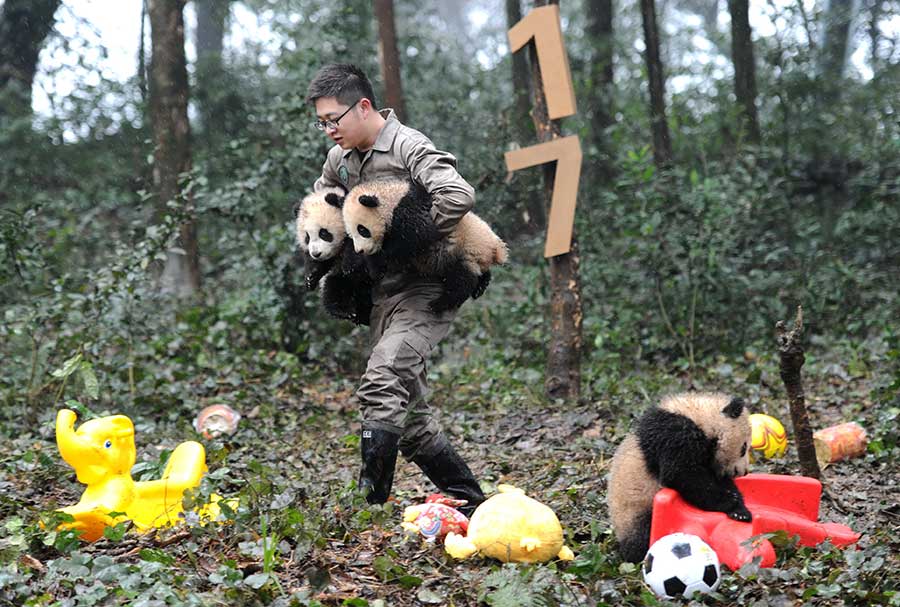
<point>741,514</point>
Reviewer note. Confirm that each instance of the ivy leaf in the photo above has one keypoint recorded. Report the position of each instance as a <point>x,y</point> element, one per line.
<point>154,555</point>
<point>69,367</point>
<point>91,385</point>
<point>117,531</point>
<point>75,567</point>
<point>429,597</point>
<point>383,566</point>
<point>257,580</point>
<point>409,581</point>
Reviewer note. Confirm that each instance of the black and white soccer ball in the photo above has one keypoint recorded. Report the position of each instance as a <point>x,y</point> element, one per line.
<point>679,565</point>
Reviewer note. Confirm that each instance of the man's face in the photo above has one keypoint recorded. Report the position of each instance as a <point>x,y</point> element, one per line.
<point>347,133</point>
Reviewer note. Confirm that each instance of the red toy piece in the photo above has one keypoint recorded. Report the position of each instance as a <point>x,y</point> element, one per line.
<point>777,502</point>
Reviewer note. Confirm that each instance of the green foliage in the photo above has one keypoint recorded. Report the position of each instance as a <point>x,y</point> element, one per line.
<point>682,270</point>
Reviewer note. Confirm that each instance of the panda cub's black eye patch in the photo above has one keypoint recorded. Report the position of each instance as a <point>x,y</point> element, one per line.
<point>307,238</point>
<point>363,231</point>
<point>325,235</point>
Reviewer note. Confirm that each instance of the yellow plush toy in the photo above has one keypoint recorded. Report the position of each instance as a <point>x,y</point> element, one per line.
<point>510,526</point>
<point>102,452</point>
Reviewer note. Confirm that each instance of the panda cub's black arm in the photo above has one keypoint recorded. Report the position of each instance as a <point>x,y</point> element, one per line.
<point>682,457</point>
<point>316,269</point>
<point>345,298</point>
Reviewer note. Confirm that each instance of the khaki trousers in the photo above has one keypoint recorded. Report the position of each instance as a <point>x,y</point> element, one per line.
<point>392,392</point>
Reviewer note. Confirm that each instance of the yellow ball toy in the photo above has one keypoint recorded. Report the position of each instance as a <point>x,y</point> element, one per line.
<point>768,437</point>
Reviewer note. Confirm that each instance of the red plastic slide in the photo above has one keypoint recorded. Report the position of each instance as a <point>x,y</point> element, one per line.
<point>777,502</point>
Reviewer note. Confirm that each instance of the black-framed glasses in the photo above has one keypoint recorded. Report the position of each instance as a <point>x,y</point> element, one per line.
<point>333,124</point>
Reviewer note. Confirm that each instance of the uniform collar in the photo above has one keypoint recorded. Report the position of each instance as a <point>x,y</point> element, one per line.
<point>386,135</point>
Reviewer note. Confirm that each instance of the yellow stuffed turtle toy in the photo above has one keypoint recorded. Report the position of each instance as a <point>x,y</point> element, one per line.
<point>511,526</point>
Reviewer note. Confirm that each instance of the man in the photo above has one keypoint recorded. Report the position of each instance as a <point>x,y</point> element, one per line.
<point>372,144</point>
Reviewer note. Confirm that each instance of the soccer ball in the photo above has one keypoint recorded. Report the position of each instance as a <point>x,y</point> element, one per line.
<point>680,564</point>
<point>767,436</point>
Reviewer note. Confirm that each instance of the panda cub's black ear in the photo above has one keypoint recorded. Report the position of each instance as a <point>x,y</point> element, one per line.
<point>334,200</point>
<point>368,201</point>
<point>734,408</point>
<point>297,206</point>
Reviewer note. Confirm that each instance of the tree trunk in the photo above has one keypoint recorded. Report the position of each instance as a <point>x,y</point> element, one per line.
<point>600,32</point>
<point>533,216</point>
<point>142,57</point>
<point>874,37</point>
<point>835,41</point>
<point>24,25</point>
<point>744,68</point>
<point>210,93</point>
<point>520,81</point>
<point>171,135</point>
<point>563,375</point>
<point>791,356</point>
<point>389,57</point>
<point>662,146</point>
<point>600,36</point>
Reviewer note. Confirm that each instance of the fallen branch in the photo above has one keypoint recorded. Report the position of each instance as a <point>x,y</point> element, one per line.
<point>791,356</point>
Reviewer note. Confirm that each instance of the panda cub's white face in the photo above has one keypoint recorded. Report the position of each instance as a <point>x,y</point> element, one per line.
<point>320,225</point>
<point>368,211</point>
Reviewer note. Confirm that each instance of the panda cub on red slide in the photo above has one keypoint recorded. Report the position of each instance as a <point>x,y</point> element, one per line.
<point>695,443</point>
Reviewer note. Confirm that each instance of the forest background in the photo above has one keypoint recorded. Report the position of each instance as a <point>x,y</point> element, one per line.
<point>692,241</point>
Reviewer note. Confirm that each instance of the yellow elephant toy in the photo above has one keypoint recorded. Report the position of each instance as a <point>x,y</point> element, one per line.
<point>511,527</point>
<point>102,452</point>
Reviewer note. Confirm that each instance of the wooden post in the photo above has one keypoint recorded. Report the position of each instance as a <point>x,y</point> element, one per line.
<point>563,373</point>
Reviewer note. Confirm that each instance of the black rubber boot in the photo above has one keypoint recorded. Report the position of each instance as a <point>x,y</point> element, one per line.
<point>379,457</point>
<point>451,475</point>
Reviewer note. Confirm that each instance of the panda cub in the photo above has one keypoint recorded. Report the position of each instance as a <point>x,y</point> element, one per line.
<point>391,219</point>
<point>347,291</point>
<point>695,443</point>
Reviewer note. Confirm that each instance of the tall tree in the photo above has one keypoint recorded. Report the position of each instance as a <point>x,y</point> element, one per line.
<point>520,81</point>
<point>24,25</point>
<point>215,98</point>
<point>744,67</point>
<point>835,42</point>
<point>662,145</point>
<point>171,136</point>
<point>875,12</point>
<point>600,33</point>
<point>142,55</point>
<point>533,215</point>
<point>563,373</point>
<point>389,57</point>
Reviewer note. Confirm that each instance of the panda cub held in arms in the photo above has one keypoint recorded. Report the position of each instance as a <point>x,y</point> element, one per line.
<point>695,443</point>
<point>347,291</point>
<point>390,221</point>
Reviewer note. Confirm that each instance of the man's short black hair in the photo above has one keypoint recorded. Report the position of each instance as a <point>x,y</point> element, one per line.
<point>343,81</point>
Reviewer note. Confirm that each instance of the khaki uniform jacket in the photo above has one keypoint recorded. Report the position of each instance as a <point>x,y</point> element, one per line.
<point>403,153</point>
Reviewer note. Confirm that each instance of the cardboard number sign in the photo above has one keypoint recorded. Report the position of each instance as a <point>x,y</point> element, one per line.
<point>566,151</point>
<point>542,24</point>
